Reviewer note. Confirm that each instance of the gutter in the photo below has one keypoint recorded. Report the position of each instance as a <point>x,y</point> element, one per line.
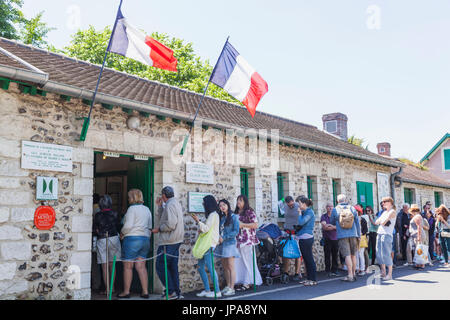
<point>42,79</point>
<point>425,183</point>
<point>393,176</point>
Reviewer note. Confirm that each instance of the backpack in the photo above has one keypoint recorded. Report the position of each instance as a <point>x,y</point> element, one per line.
<point>345,217</point>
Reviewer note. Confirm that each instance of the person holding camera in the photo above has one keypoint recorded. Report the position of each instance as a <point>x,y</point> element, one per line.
<point>305,233</point>
<point>386,224</point>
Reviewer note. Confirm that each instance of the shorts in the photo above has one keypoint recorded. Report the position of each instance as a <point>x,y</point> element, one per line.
<point>113,249</point>
<point>134,247</point>
<point>348,246</point>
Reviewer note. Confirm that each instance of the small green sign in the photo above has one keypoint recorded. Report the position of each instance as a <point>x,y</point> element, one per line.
<point>46,188</point>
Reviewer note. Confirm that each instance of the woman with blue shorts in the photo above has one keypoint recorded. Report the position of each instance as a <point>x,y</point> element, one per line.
<point>227,249</point>
<point>136,242</point>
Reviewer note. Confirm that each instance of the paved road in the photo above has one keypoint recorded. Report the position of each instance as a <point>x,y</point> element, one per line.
<point>431,284</point>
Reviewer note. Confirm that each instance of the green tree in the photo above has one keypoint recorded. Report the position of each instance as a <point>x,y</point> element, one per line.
<point>10,14</point>
<point>357,142</point>
<point>193,73</point>
<point>34,31</point>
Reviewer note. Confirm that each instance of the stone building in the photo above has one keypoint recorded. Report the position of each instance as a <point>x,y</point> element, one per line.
<point>135,135</point>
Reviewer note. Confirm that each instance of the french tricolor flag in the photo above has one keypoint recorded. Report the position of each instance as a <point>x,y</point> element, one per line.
<point>128,41</point>
<point>233,73</point>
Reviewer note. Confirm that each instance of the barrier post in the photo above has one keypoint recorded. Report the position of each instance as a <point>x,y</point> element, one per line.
<point>107,266</point>
<point>165,272</point>
<point>112,277</point>
<point>254,273</point>
<point>213,275</point>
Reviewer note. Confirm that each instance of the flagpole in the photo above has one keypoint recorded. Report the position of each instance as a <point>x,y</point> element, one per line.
<point>87,120</point>
<point>201,100</point>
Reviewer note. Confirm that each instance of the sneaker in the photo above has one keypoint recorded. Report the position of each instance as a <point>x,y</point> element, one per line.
<point>362,273</point>
<point>175,296</point>
<point>229,292</point>
<point>210,294</point>
<point>225,290</point>
<point>297,277</point>
<point>203,293</point>
<point>443,262</point>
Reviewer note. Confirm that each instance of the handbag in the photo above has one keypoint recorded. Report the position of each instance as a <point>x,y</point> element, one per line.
<point>363,242</point>
<point>445,233</point>
<point>291,249</point>
<point>421,254</point>
<point>203,243</point>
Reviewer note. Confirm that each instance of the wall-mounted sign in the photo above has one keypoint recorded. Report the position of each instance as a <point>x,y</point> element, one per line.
<point>195,201</point>
<point>45,156</point>
<point>139,157</point>
<point>44,217</point>
<point>111,154</point>
<point>46,188</point>
<point>199,173</point>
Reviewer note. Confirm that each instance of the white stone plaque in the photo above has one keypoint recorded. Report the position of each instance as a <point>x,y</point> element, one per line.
<point>384,189</point>
<point>48,157</point>
<point>195,201</point>
<point>199,173</point>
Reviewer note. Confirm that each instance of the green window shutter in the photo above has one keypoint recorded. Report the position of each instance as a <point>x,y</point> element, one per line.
<point>334,185</point>
<point>364,193</point>
<point>437,199</point>
<point>408,195</point>
<point>447,159</point>
<point>280,184</point>
<point>309,182</point>
<point>244,182</point>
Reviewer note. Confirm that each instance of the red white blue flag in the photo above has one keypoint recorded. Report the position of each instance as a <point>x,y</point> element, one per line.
<point>132,43</point>
<point>233,73</point>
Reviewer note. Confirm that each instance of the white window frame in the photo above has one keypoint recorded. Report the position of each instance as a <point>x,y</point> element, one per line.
<point>335,121</point>
<point>443,160</point>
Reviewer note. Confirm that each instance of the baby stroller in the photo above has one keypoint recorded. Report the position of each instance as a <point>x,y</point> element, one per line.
<point>269,253</point>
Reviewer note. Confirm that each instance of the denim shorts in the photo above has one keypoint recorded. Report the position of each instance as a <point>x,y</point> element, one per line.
<point>134,247</point>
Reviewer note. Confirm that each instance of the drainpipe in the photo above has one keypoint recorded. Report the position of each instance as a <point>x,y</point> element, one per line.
<point>393,176</point>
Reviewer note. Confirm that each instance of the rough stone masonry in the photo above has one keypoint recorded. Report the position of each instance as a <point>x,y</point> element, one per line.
<point>38,264</point>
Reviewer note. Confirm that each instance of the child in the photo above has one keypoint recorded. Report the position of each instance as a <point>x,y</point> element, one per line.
<point>363,244</point>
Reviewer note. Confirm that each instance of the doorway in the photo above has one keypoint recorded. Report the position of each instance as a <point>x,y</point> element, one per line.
<point>115,174</point>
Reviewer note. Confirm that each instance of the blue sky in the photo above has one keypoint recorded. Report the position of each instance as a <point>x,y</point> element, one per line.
<point>317,56</point>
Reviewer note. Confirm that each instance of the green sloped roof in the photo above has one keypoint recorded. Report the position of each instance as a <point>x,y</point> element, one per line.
<point>437,145</point>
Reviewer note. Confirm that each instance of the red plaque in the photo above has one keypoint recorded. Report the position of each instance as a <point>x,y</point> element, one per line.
<point>44,217</point>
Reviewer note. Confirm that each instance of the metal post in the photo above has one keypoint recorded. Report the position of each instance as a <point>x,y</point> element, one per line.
<point>87,120</point>
<point>165,271</point>
<point>201,100</point>
<point>107,267</point>
<point>254,273</point>
<point>213,275</point>
<point>112,277</point>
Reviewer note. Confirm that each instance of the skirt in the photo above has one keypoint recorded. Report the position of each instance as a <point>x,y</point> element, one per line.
<point>113,249</point>
<point>227,250</point>
<point>135,247</point>
<point>384,249</point>
<point>244,267</point>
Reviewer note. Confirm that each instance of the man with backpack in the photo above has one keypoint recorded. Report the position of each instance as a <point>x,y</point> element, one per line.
<point>348,229</point>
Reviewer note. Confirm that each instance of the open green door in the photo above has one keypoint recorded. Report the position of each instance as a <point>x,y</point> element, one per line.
<point>365,193</point>
<point>141,176</point>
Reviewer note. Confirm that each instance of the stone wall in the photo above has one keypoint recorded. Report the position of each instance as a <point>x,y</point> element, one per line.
<point>37,264</point>
<point>422,194</point>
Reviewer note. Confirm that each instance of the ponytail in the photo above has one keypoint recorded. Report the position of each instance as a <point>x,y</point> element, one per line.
<point>304,200</point>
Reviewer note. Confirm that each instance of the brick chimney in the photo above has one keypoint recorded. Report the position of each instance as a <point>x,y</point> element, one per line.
<point>384,149</point>
<point>336,123</point>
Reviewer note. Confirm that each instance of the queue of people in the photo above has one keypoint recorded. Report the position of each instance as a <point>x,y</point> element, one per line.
<point>351,232</point>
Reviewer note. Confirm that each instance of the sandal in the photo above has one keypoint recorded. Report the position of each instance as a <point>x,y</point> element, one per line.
<point>243,288</point>
<point>347,279</point>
